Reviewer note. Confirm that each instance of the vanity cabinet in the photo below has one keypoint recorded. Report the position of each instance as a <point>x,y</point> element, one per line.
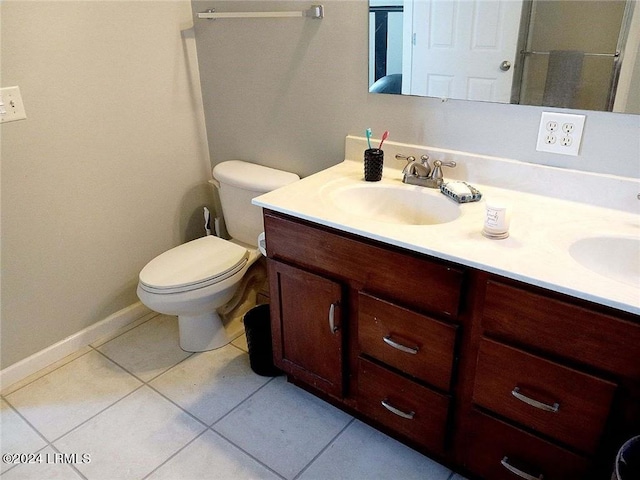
<point>555,385</point>
<point>391,358</point>
<point>494,377</point>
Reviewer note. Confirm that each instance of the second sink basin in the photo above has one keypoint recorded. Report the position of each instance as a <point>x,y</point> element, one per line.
<point>402,205</point>
<point>617,258</point>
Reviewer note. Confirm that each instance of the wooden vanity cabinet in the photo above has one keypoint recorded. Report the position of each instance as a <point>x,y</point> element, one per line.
<point>553,388</point>
<point>496,378</point>
<point>389,353</point>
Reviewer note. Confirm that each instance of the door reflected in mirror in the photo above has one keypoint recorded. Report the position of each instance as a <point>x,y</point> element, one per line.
<point>578,54</point>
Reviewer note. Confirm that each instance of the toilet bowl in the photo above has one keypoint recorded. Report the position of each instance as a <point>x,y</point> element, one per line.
<point>195,279</point>
<point>192,281</point>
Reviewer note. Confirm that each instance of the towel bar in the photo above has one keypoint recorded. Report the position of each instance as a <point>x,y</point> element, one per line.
<point>616,54</point>
<point>315,11</point>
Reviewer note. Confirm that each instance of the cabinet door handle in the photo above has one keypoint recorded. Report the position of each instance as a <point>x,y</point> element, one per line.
<point>399,346</point>
<point>534,403</point>
<point>397,411</point>
<point>516,471</point>
<point>332,325</point>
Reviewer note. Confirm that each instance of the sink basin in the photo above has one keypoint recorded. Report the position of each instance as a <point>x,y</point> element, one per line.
<point>617,258</point>
<point>401,205</point>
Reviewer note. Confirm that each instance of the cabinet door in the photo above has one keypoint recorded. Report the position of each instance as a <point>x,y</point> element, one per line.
<point>306,322</point>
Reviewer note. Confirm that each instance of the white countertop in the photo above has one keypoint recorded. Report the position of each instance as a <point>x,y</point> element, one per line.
<point>541,233</point>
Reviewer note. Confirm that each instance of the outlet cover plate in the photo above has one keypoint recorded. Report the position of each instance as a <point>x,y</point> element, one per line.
<point>11,106</point>
<point>560,133</point>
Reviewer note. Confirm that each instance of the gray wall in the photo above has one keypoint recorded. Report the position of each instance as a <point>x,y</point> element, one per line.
<point>285,92</point>
<point>108,170</point>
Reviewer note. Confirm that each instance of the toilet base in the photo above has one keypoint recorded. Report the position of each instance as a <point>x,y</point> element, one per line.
<point>199,333</point>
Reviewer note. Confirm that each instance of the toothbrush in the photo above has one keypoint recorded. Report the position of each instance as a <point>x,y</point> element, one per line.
<point>368,132</point>
<point>384,137</point>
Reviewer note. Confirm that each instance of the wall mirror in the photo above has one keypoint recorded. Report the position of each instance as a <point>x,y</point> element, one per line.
<point>579,54</point>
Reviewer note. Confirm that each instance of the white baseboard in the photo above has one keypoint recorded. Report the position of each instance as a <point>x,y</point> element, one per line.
<point>30,365</point>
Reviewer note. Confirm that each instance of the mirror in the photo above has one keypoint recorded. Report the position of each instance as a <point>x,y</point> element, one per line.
<point>580,54</point>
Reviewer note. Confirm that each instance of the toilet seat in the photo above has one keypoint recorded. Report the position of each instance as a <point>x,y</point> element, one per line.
<point>193,265</point>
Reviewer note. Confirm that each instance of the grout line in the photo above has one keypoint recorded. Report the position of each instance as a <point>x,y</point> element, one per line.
<point>72,465</point>
<point>119,366</point>
<point>180,407</point>
<point>324,449</point>
<point>96,414</point>
<point>175,454</point>
<point>238,447</point>
<point>238,405</point>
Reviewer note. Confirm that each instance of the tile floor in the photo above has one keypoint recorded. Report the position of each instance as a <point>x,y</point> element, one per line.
<point>138,407</point>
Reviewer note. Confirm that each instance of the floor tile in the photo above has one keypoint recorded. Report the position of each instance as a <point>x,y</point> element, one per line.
<point>210,384</point>
<point>283,426</point>
<point>149,349</point>
<point>45,465</point>
<point>133,437</point>
<point>363,452</point>
<point>16,436</point>
<point>212,457</point>
<point>68,396</point>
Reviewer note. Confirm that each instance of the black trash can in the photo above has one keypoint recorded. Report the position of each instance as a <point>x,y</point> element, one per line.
<point>257,327</point>
<point>628,461</point>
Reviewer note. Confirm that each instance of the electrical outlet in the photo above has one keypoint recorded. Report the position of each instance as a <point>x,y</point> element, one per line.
<point>560,133</point>
<point>11,106</point>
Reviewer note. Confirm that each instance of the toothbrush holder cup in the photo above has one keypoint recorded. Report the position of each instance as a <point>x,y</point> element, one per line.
<point>373,160</point>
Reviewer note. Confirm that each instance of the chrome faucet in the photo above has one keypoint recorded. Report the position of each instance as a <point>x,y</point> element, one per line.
<point>421,172</point>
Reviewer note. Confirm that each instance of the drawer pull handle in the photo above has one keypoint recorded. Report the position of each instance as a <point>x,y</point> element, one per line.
<point>397,411</point>
<point>332,325</point>
<point>399,346</point>
<point>534,403</point>
<point>505,463</point>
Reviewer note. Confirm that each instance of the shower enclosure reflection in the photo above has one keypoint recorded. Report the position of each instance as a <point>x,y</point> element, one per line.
<point>580,54</point>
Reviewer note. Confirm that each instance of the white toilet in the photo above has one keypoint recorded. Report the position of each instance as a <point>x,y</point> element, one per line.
<point>195,279</point>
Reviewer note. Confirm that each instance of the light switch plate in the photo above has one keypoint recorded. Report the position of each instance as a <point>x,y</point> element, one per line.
<point>11,106</point>
<point>560,133</point>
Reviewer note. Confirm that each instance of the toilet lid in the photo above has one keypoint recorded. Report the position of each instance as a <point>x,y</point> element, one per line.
<point>194,264</point>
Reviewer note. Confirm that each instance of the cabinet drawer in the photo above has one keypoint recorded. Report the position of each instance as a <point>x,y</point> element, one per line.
<point>372,267</point>
<point>493,446</point>
<point>562,328</point>
<point>557,401</point>
<point>418,345</point>
<point>411,409</point>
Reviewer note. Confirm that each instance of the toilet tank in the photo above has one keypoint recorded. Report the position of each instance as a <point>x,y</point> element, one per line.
<point>240,182</point>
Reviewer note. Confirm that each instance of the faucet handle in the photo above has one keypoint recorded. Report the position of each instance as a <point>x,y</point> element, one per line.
<point>445,164</point>
<point>436,173</point>
<point>408,159</point>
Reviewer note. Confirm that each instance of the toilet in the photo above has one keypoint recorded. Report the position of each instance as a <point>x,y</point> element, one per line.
<point>196,278</point>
